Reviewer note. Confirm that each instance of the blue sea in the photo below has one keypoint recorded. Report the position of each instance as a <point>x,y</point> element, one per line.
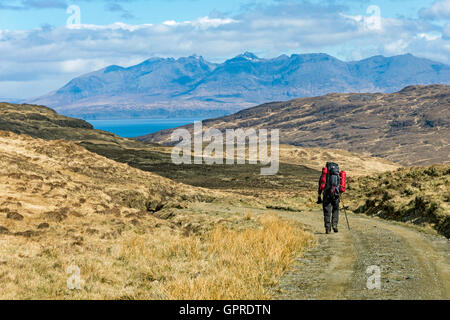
<point>130,128</point>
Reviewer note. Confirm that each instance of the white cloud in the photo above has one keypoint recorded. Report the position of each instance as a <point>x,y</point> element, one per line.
<point>438,10</point>
<point>428,36</point>
<point>113,26</point>
<point>204,22</point>
<point>170,23</point>
<point>75,65</point>
<point>207,22</point>
<point>396,47</point>
<point>446,32</point>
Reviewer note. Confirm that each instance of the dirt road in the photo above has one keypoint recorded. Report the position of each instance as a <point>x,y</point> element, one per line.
<point>413,264</point>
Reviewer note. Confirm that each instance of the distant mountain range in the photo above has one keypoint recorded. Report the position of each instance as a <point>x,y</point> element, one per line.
<point>194,87</point>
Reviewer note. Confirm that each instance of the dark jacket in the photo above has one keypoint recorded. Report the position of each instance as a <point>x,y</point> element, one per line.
<point>319,191</point>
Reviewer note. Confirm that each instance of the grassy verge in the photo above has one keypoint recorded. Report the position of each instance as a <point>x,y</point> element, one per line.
<point>223,263</point>
<point>242,264</point>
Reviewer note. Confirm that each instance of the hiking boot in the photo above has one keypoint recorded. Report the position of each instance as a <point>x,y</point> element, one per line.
<point>335,229</point>
<point>328,230</point>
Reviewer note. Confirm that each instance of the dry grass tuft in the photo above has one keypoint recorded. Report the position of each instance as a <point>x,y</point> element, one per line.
<point>241,264</point>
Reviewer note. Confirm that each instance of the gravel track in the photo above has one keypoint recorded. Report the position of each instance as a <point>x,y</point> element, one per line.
<point>413,264</point>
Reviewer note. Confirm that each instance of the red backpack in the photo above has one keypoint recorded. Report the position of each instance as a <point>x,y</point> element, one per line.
<point>343,184</point>
<point>333,182</point>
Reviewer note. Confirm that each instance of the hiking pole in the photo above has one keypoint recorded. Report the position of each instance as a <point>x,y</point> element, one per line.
<point>345,212</point>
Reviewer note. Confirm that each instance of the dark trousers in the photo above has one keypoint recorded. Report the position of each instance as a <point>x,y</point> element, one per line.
<point>331,212</point>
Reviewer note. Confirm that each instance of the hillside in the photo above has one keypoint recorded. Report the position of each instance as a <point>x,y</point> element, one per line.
<point>298,168</point>
<point>194,87</point>
<point>410,127</point>
<point>55,178</point>
<point>353,163</point>
<point>131,234</point>
<point>419,195</point>
<point>42,122</point>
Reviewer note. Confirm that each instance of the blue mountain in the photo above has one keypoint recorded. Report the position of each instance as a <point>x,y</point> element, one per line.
<point>192,86</point>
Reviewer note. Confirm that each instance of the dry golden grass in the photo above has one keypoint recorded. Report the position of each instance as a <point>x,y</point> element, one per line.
<point>355,164</point>
<point>62,206</point>
<point>162,263</point>
<point>242,264</point>
<point>56,178</point>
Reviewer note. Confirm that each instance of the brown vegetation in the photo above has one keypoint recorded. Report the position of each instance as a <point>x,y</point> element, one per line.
<point>416,195</point>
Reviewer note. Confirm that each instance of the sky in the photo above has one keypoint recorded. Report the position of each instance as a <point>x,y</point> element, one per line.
<point>46,43</point>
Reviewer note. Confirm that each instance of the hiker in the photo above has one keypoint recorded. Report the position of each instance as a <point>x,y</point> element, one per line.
<point>332,183</point>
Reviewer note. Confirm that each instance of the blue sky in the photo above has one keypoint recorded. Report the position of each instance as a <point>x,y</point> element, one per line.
<point>156,11</point>
<point>41,53</point>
